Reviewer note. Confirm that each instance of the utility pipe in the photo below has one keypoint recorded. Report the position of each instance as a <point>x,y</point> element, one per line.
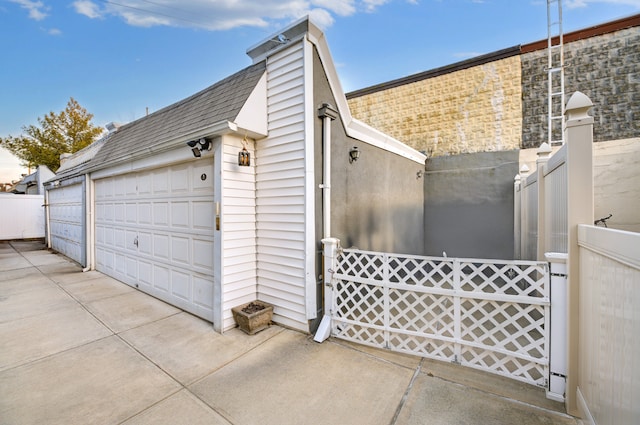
<point>328,113</point>
<point>88,225</point>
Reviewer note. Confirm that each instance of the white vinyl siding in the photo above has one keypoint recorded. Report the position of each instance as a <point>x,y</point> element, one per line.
<point>280,191</point>
<point>154,231</point>
<point>66,221</point>
<point>238,222</point>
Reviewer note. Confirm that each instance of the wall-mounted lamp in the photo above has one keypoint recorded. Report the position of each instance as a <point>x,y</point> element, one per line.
<point>419,174</point>
<point>244,158</point>
<point>197,146</point>
<point>354,154</point>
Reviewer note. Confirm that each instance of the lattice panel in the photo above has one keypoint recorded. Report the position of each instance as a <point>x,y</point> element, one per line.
<point>422,346</point>
<point>518,328</point>
<point>515,278</point>
<point>421,271</point>
<point>504,364</point>
<point>428,314</point>
<point>359,302</point>
<point>361,264</point>
<point>485,314</point>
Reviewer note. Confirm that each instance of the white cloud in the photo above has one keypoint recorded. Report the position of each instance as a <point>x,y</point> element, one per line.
<point>87,8</point>
<point>224,14</point>
<point>54,31</point>
<point>37,9</point>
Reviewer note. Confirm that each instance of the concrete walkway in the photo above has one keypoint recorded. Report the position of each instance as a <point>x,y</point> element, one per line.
<point>79,348</point>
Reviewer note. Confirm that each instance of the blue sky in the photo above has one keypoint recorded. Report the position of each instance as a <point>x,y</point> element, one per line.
<point>119,57</point>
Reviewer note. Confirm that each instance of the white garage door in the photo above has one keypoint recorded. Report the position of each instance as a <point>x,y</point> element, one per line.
<point>66,221</point>
<point>154,231</point>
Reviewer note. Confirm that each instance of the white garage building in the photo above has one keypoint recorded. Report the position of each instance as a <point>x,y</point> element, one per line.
<point>164,205</point>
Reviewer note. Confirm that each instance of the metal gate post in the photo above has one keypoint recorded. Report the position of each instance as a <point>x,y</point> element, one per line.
<point>558,332</point>
<point>330,263</point>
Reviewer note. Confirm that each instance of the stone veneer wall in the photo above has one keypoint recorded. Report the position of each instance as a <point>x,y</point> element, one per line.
<point>605,68</point>
<point>502,104</point>
<point>477,109</point>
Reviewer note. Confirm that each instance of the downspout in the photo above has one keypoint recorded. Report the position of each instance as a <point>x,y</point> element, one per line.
<point>47,223</point>
<point>87,223</point>
<point>327,113</point>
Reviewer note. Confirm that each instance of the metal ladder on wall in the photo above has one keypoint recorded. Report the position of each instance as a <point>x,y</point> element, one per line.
<point>555,73</point>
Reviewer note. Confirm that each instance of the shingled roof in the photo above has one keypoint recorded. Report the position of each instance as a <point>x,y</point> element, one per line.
<point>219,102</point>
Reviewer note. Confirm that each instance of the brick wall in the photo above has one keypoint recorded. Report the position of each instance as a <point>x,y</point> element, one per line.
<point>605,68</point>
<point>477,109</point>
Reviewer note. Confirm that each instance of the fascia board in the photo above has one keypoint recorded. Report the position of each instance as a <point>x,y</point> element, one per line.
<point>218,129</point>
<point>355,128</point>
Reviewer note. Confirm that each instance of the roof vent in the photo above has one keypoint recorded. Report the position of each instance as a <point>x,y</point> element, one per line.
<point>113,127</point>
<point>64,157</point>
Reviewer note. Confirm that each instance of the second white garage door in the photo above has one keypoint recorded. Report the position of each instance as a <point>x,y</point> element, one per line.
<point>154,231</point>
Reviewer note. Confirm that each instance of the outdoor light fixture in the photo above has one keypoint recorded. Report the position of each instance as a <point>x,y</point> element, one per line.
<point>354,154</point>
<point>244,158</point>
<point>197,146</point>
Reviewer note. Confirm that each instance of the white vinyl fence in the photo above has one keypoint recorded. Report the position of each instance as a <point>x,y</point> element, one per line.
<point>597,277</point>
<point>21,216</point>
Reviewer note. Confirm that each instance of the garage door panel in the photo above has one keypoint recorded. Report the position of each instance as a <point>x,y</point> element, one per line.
<point>145,276</point>
<point>180,214</point>
<point>161,214</point>
<point>144,243</point>
<point>180,250</point>
<point>203,292</point>
<point>181,285</point>
<point>170,213</point>
<point>203,254</point>
<point>160,182</point>
<point>144,213</point>
<point>203,215</point>
<point>132,269</point>
<point>180,179</point>
<point>160,278</point>
<point>161,247</point>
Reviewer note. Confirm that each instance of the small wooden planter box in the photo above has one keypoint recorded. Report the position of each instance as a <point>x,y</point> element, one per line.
<point>253,321</point>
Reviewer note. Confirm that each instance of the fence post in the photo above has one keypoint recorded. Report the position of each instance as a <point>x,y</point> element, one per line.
<point>329,265</point>
<point>543,157</point>
<point>517,217</point>
<point>579,138</point>
<point>558,326</point>
<point>524,217</point>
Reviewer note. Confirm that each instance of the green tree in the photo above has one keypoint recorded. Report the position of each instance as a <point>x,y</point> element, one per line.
<point>65,132</point>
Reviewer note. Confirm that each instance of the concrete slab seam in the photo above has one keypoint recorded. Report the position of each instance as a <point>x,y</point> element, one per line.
<point>405,396</point>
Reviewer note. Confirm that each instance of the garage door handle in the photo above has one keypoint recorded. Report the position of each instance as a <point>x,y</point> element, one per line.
<point>135,241</point>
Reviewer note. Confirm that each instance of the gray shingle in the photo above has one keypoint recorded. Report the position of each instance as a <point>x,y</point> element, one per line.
<point>219,102</point>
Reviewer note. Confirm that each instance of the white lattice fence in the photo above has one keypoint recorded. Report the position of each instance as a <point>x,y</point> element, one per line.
<point>486,314</point>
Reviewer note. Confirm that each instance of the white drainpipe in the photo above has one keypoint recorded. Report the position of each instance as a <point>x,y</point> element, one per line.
<point>88,205</point>
<point>328,113</point>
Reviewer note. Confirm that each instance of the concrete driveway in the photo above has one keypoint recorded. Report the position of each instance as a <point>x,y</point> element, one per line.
<point>79,348</point>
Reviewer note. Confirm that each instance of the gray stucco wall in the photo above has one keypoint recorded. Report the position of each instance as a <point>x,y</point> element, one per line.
<point>469,205</point>
<point>377,201</point>
<point>605,68</point>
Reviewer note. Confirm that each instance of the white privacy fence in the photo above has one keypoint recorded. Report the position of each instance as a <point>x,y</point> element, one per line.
<point>487,314</point>
<point>541,206</point>
<point>609,365</point>
<point>21,216</point>
<point>597,277</point>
